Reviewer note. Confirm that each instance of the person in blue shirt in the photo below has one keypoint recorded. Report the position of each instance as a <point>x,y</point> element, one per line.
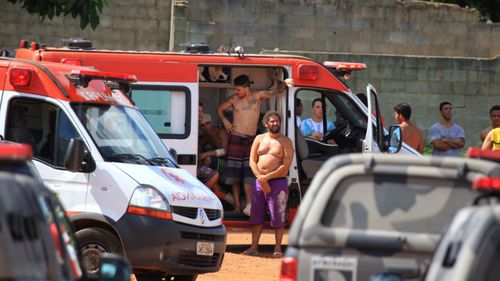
<point>313,127</point>
<point>446,137</point>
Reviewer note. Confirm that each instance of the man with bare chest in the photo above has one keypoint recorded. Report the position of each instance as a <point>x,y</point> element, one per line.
<point>246,108</point>
<point>270,158</point>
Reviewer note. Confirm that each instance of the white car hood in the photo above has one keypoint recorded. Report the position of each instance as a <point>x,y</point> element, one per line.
<point>177,185</point>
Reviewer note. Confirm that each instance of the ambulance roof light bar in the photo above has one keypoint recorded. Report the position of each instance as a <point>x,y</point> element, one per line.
<point>344,69</point>
<point>83,77</point>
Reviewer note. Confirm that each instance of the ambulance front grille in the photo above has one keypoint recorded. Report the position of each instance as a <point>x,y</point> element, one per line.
<point>191,212</point>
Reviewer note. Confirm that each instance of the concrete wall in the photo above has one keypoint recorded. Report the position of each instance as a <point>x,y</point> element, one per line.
<point>125,24</point>
<point>417,52</point>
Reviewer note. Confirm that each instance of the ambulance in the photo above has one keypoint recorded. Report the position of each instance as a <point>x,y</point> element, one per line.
<point>171,85</point>
<point>123,190</point>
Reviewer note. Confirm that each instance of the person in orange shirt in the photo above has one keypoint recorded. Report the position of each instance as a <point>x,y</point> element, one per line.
<point>411,134</point>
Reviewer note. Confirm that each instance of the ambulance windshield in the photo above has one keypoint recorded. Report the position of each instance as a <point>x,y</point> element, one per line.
<point>122,134</point>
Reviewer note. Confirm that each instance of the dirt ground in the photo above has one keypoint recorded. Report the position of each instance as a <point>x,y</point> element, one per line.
<point>237,267</point>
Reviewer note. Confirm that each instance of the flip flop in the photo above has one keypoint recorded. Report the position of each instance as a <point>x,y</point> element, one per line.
<point>251,253</point>
<point>277,255</point>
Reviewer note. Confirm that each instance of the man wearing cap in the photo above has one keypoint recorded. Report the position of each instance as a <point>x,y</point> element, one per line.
<point>212,147</point>
<point>245,104</point>
<point>214,144</point>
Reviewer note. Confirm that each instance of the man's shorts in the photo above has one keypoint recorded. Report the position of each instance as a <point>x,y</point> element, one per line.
<point>204,173</point>
<point>276,201</point>
<point>238,166</point>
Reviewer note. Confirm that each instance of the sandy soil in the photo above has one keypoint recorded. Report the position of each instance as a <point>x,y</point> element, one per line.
<point>238,267</point>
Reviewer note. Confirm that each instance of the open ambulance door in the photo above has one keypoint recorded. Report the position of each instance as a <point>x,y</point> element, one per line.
<point>172,110</point>
<point>378,141</point>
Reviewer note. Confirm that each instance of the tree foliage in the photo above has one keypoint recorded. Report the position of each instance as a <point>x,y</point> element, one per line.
<point>88,10</point>
<point>489,9</point>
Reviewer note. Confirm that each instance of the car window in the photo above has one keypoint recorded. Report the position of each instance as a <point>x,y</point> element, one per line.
<point>165,108</point>
<point>396,203</point>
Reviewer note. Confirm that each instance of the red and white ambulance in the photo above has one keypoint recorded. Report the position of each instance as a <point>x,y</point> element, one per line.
<point>171,85</point>
<point>123,190</point>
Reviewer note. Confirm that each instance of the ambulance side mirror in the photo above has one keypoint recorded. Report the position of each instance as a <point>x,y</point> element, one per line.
<point>78,158</point>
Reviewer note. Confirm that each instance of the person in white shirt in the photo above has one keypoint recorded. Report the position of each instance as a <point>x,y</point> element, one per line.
<point>313,127</point>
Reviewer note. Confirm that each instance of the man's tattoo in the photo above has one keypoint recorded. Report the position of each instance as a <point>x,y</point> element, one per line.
<point>280,88</point>
<point>252,101</point>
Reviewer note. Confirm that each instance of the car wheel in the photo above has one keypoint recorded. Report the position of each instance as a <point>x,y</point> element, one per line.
<point>93,242</point>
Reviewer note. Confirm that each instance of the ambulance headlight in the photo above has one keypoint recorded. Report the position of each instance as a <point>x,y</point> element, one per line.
<point>148,201</point>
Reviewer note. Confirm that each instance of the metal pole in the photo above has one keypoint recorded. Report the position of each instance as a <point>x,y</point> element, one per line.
<point>172,26</point>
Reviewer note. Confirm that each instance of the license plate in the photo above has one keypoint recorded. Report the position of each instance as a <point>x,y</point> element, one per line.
<point>204,248</point>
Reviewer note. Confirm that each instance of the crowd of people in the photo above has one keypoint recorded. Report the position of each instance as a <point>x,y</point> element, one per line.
<point>261,162</point>
<point>446,137</point>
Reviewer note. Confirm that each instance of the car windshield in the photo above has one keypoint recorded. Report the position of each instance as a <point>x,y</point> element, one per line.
<point>122,134</point>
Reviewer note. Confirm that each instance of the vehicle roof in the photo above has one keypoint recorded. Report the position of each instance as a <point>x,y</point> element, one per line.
<point>61,87</point>
<point>396,164</point>
<point>146,64</point>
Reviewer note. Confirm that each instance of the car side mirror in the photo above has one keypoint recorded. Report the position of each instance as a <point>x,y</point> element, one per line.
<point>77,157</point>
<point>114,268</point>
<point>394,139</point>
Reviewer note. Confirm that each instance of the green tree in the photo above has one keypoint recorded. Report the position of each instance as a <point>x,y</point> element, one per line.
<point>88,10</point>
<point>489,9</point>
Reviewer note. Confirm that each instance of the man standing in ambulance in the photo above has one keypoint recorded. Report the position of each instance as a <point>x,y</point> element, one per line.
<point>245,104</point>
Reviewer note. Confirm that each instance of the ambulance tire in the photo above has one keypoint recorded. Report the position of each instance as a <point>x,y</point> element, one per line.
<point>94,241</point>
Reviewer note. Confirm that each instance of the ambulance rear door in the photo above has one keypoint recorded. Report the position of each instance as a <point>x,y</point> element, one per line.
<point>172,110</point>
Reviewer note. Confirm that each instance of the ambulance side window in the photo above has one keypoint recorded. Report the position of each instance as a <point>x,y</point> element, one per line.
<point>166,108</point>
<point>44,126</point>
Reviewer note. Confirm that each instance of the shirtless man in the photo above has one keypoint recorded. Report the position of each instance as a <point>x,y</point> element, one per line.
<point>495,121</point>
<point>270,158</point>
<point>246,108</point>
<point>411,134</point>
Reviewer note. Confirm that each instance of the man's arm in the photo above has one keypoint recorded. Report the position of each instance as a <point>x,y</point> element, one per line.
<point>455,143</point>
<point>223,139</point>
<point>420,146</point>
<point>278,88</point>
<point>282,170</point>
<point>487,141</point>
<point>254,157</point>
<point>484,133</point>
<point>440,144</point>
<point>220,112</point>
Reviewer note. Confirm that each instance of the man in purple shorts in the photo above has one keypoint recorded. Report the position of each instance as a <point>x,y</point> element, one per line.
<point>270,158</point>
<point>245,104</point>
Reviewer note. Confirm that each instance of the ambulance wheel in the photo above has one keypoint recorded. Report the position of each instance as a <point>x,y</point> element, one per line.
<point>94,241</point>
